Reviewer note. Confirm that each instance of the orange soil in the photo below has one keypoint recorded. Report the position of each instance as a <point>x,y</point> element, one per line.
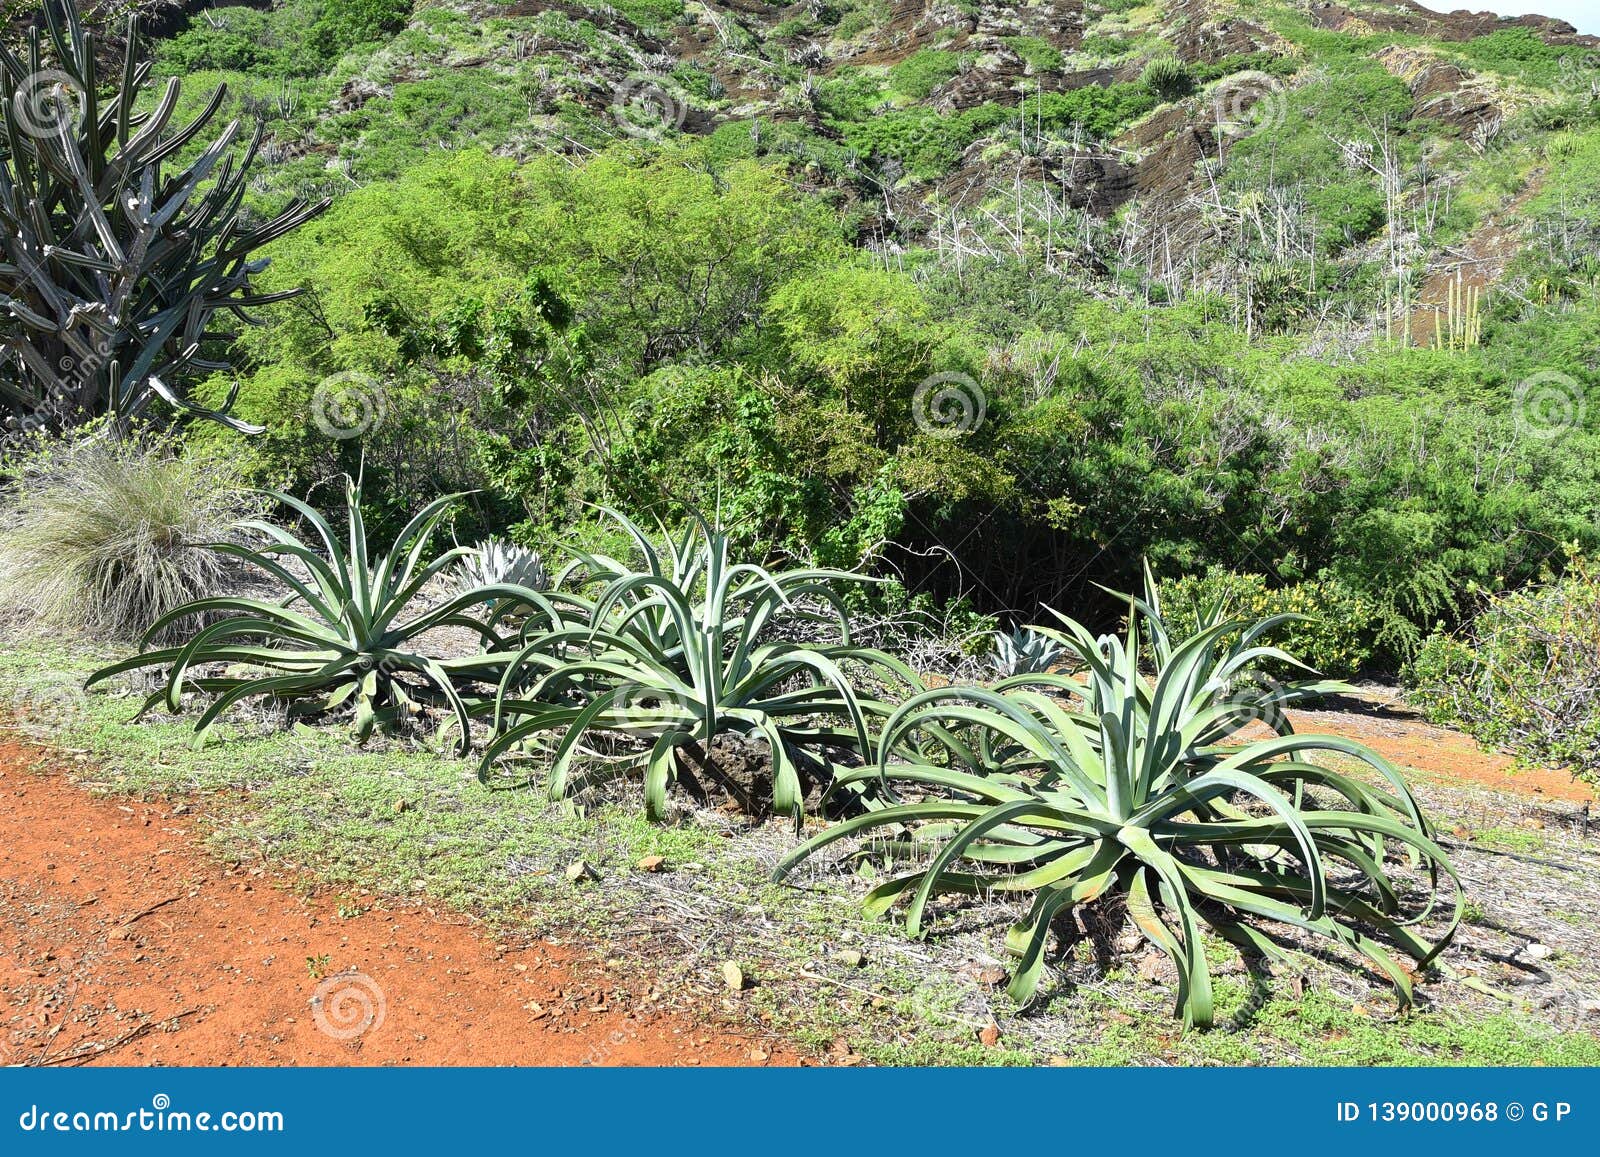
<point>122,942</point>
<point>1400,736</point>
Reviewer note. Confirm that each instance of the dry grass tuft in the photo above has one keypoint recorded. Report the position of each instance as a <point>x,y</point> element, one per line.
<point>105,536</point>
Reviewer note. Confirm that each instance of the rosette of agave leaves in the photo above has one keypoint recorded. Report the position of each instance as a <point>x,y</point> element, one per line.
<point>680,652</point>
<point>1072,789</point>
<point>349,633</point>
<point>1024,652</point>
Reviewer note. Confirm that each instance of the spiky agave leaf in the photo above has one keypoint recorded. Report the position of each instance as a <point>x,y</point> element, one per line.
<point>1229,685</point>
<point>1024,651</point>
<point>1130,790</point>
<point>344,634</point>
<point>494,561</point>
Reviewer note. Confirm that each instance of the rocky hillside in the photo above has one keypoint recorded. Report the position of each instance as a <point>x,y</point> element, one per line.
<point>1339,164</point>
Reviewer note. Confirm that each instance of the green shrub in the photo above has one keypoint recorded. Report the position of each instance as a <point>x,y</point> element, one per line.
<point>1037,52</point>
<point>930,145</point>
<point>106,536</point>
<point>344,24</point>
<point>1525,673</point>
<point>1336,637</point>
<point>651,15</point>
<point>926,144</point>
<point>1516,52</point>
<point>489,298</point>
<point>697,81</point>
<point>470,108</point>
<point>1268,62</point>
<point>858,16</point>
<point>244,42</point>
<point>1298,129</point>
<point>920,73</point>
<point>851,94</point>
<point>1103,47</point>
<point>1102,110</point>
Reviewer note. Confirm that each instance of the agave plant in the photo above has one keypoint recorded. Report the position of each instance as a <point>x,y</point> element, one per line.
<point>1237,666</point>
<point>1167,77</point>
<point>346,634</point>
<point>1140,788</point>
<point>1024,652</point>
<point>675,654</point>
<point>495,561</point>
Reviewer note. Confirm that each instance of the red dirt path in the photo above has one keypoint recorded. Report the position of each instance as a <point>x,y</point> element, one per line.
<point>122,942</point>
<point>1401,736</point>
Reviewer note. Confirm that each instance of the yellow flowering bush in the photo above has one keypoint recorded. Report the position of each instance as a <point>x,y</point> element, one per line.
<point>1335,637</point>
<point>1525,675</point>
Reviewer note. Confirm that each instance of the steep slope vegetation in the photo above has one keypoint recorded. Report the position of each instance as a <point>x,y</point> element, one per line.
<point>1006,297</point>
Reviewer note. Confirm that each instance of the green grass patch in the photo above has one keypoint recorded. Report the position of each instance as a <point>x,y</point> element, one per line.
<point>651,15</point>
<point>1510,840</point>
<point>919,74</point>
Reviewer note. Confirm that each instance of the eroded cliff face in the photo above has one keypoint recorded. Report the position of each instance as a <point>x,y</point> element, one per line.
<point>1406,16</point>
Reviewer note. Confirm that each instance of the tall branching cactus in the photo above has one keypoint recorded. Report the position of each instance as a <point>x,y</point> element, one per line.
<point>112,271</point>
